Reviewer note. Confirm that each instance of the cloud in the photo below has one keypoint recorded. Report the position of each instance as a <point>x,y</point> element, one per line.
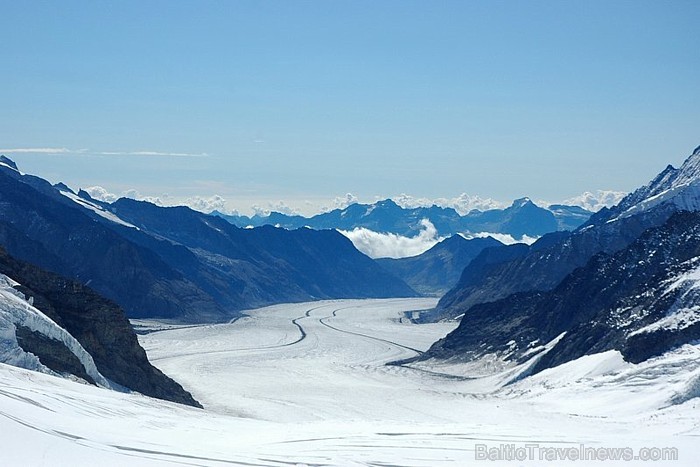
<point>344,201</point>
<point>198,203</point>
<point>207,205</point>
<point>463,203</point>
<point>503,238</point>
<point>101,194</point>
<point>279,206</point>
<point>389,245</point>
<point>135,194</point>
<point>35,151</point>
<point>88,152</point>
<point>595,201</point>
<point>340,202</point>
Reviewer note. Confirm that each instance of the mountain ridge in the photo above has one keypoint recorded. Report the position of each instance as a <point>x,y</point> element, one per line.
<point>175,262</point>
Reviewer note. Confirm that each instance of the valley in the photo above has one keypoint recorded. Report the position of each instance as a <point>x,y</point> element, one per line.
<point>307,384</point>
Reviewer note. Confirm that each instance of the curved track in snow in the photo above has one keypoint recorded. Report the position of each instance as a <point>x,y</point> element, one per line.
<point>308,384</point>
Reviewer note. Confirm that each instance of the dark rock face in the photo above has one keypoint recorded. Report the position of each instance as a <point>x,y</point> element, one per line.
<point>438,269</point>
<point>51,353</point>
<point>98,324</point>
<point>616,301</point>
<point>177,263</point>
<point>499,272</point>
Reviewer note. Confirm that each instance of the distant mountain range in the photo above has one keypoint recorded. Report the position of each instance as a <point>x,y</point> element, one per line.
<point>176,262</point>
<point>625,280</point>
<point>522,218</point>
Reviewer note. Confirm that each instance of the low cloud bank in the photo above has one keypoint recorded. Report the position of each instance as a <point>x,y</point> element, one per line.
<point>389,245</point>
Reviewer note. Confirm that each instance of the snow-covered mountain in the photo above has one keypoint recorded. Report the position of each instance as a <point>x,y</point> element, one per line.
<point>677,187</point>
<point>627,280</point>
<point>60,327</point>
<point>643,300</point>
<point>544,264</point>
<point>26,333</point>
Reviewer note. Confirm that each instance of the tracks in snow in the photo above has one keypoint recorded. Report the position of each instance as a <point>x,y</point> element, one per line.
<point>334,314</point>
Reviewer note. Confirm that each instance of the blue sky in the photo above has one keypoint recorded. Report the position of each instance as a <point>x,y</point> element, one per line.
<point>304,101</point>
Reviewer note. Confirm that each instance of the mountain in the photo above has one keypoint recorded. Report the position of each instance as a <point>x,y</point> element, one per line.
<point>438,269</point>
<point>176,262</point>
<point>523,217</point>
<point>543,265</point>
<point>569,217</point>
<point>642,300</point>
<point>674,188</point>
<point>59,326</point>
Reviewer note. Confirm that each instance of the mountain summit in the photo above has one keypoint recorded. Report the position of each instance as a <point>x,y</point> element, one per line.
<point>627,281</point>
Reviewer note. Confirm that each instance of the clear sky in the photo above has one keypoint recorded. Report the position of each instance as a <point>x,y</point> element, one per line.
<point>259,101</point>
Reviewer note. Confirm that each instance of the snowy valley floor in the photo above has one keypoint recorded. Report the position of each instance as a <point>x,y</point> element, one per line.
<point>306,384</point>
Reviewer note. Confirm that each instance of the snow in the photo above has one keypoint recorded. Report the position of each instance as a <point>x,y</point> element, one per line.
<point>506,239</point>
<point>3,164</point>
<point>683,196</point>
<point>15,310</point>
<point>684,312</point>
<point>99,210</point>
<point>306,384</point>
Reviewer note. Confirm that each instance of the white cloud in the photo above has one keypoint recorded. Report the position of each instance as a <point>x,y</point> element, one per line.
<point>207,205</point>
<point>463,203</point>
<point>134,194</point>
<point>101,194</point>
<point>198,203</point>
<point>88,152</point>
<point>344,201</point>
<point>389,245</point>
<point>279,206</point>
<point>503,238</point>
<point>35,151</point>
<point>595,201</point>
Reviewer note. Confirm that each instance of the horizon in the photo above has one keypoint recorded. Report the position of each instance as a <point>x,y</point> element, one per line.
<point>463,203</point>
<point>293,106</point>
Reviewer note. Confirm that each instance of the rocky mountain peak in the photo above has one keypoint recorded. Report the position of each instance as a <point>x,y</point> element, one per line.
<point>8,162</point>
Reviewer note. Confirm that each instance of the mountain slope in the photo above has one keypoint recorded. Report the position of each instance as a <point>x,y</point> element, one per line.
<point>176,262</point>
<point>39,225</point>
<point>545,263</point>
<point>438,269</point>
<point>643,301</point>
<point>270,264</point>
<point>71,330</point>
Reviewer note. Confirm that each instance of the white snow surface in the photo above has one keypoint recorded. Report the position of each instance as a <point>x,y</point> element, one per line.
<point>306,384</point>
<point>15,310</point>
<point>97,209</point>
<point>685,311</point>
<point>680,187</point>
